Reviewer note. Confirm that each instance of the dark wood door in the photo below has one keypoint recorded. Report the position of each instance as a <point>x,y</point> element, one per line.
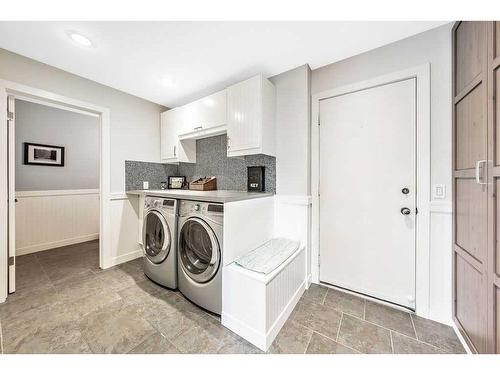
<point>471,200</point>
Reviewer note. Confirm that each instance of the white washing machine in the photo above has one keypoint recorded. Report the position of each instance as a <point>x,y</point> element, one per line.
<point>200,253</point>
<point>159,239</point>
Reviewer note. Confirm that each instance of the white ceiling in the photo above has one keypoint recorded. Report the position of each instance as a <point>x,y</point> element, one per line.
<point>172,63</point>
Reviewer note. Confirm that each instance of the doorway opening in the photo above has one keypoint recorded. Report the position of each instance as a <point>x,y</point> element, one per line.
<point>55,169</point>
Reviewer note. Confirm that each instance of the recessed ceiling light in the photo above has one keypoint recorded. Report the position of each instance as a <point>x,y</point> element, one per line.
<point>80,39</point>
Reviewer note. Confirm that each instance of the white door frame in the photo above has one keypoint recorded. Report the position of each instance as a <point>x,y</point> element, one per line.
<point>18,90</point>
<point>422,75</point>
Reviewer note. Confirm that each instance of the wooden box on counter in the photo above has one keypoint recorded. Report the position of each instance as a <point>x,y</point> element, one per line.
<point>206,183</point>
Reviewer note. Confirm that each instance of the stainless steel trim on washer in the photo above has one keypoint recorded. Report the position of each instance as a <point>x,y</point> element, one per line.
<point>188,265</point>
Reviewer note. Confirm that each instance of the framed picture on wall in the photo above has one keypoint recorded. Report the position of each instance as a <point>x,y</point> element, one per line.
<point>38,154</point>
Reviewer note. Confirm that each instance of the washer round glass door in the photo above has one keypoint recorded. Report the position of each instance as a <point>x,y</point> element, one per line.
<point>156,237</point>
<point>198,250</point>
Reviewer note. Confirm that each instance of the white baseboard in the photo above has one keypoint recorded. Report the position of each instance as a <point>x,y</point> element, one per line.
<point>125,258</point>
<point>461,338</point>
<point>263,341</point>
<point>52,245</point>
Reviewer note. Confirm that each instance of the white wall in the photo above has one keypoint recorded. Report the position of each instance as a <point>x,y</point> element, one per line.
<point>134,134</point>
<point>432,47</point>
<point>54,218</point>
<point>77,133</point>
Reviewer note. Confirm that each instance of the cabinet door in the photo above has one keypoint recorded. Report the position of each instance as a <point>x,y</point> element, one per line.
<point>205,113</point>
<point>469,182</point>
<point>170,126</point>
<point>244,115</point>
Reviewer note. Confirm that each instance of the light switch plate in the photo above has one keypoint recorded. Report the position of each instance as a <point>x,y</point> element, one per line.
<point>438,191</point>
<point>145,185</point>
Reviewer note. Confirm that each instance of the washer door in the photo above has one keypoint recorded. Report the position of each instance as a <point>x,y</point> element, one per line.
<point>156,237</point>
<point>199,250</point>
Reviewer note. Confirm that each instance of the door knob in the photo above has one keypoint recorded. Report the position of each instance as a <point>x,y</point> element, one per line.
<point>405,190</point>
<point>405,211</point>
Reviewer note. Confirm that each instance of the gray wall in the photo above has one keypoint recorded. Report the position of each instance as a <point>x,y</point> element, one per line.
<point>293,131</point>
<point>134,122</point>
<point>211,160</point>
<point>78,133</point>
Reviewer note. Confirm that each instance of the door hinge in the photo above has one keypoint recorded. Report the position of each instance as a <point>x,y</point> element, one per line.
<point>10,116</point>
<point>11,261</point>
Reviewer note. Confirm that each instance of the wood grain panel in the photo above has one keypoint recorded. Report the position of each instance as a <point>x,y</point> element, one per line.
<point>497,313</point>
<point>496,109</point>
<point>470,303</point>
<point>46,221</point>
<point>469,52</point>
<point>471,127</point>
<point>471,218</point>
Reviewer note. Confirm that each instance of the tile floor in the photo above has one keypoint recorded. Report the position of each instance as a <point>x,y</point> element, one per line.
<point>65,304</point>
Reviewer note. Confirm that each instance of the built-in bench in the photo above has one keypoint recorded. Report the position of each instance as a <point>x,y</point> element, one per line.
<point>261,289</point>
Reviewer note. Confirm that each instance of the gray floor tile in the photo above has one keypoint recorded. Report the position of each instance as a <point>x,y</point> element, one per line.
<point>197,341</point>
<point>292,339</point>
<point>155,344</point>
<point>406,345</point>
<point>438,335</point>
<point>345,302</point>
<point>116,328</point>
<point>322,345</point>
<point>389,317</point>
<point>238,346</point>
<point>363,336</point>
<point>316,293</point>
<point>322,319</point>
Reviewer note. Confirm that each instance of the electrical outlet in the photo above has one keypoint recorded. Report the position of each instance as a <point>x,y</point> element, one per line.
<point>439,191</point>
<point>145,185</point>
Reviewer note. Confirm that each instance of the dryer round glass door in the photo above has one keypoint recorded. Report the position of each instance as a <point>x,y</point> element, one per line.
<point>199,250</point>
<point>156,237</point>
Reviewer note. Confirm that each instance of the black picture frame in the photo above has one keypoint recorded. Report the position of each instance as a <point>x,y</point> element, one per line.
<point>170,182</point>
<point>27,161</point>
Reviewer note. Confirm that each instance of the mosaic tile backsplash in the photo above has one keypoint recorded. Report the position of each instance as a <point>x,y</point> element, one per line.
<point>211,160</point>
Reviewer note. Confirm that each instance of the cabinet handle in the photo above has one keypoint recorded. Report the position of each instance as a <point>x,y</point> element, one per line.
<point>174,150</point>
<point>228,146</point>
<point>198,128</point>
<point>478,171</point>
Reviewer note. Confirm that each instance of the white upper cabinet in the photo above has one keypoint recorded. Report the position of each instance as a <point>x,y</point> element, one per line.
<point>206,116</point>
<point>246,111</point>
<point>172,149</point>
<point>251,117</point>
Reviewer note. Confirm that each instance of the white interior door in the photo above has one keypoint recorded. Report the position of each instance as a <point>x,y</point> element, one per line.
<point>11,192</point>
<point>367,158</point>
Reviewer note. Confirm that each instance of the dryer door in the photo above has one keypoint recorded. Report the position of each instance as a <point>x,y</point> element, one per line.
<point>156,237</point>
<point>199,250</point>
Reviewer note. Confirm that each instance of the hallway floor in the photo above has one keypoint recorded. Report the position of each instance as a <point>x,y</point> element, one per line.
<point>65,304</point>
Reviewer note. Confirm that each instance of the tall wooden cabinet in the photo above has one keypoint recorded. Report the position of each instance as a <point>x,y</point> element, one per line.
<point>476,183</point>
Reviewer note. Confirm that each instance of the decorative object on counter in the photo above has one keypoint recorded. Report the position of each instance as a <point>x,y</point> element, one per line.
<point>176,182</point>
<point>204,183</point>
<point>38,154</point>
<point>163,185</point>
<point>255,179</point>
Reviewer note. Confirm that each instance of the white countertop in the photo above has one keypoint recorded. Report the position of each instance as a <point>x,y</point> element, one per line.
<point>219,196</point>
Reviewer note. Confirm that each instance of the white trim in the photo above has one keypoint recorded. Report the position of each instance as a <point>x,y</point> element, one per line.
<point>51,193</point>
<point>55,105</point>
<point>422,75</point>
<point>460,337</point>
<point>16,89</point>
<point>118,196</point>
<point>55,244</point>
<point>442,207</point>
<point>125,257</point>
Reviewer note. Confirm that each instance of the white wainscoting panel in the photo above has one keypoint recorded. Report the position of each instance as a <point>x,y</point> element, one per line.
<point>292,219</point>
<point>54,218</point>
<point>125,212</point>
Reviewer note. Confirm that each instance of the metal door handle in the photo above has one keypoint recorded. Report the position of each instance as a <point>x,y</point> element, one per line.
<point>198,128</point>
<point>478,171</point>
<point>405,211</point>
